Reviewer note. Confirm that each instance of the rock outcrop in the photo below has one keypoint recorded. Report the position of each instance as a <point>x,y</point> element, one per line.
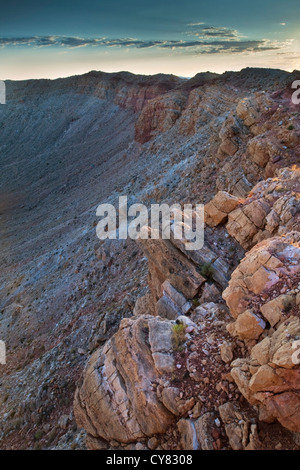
<point>257,138</point>
<point>263,297</point>
<point>118,399</point>
<point>273,206</point>
<point>132,389</point>
<point>159,115</point>
<point>216,211</point>
<point>270,269</point>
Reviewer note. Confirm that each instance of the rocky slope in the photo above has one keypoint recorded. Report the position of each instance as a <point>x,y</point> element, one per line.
<point>230,141</point>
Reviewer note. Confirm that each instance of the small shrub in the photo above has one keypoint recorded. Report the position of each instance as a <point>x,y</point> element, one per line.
<point>291,127</point>
<point>38,435</point>
<point>206,270</point>
<point>178,330</point>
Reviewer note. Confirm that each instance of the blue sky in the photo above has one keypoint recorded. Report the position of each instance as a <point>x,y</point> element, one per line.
<point>59,38</point>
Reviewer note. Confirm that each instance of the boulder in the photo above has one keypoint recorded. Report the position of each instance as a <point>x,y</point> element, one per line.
<point>272,207</point>
<point>219,207</point>
<point>125,395</point>
<point>270,377</point>
<point>247,326</point>
<point>240,427</point>
<point>270,261</point>
<point>116,400</point>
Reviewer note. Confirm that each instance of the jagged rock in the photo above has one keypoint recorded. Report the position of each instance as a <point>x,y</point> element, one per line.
<point>286,408</point>
<point>189,438</point>
<point>117,399</point>
<point>217,210</point>
<point>270,376</point>
<point>171,400</point>
<point>261,351</point>
<point>229,136</point>
<point>274,309</point>
<point>247,326</point>
<point>168,263</point>
<point>176,297</point>
<point>161,344</point>
<point>210,293</point>
<point>240,428</point>
<point>263,149</point>
<point>166,308</point>
<point>249,110</point>
<point>261,269</point>
<point>204,427</point>
<point>196,434</point>
<point>159,115</point>
<point>219,269</point>
<point>272,207</point>
<point>226,352</point>
<point>172,303</point>
<point>196,411</point>
<point>214,216</point>
<point>266,283</point>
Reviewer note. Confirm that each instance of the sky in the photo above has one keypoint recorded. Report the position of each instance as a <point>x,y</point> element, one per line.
<point>59,38</point>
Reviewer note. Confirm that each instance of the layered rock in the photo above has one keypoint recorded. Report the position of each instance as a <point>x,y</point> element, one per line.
<point>216,211</point>
<point>117,399</point>
<point>257,138</point>
<point>273,206</point>
<point>177,275</point>
<point>269,269</point>
<point>159,115</point>
<point>158,384</point>
<point>263,297</point>
<point>167,262</point>
<point>270,378</point>
<point>130,392</point>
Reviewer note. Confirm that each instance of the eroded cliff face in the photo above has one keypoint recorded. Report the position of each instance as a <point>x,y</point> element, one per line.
<point>190,351</point>
<point>216,383</point>
<point>231,142</point>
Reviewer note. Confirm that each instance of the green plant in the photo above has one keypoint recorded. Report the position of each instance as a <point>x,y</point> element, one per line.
<point>291,127</point>
<point>38,435</point>
<point>206,270</point>
<point>178,335</point>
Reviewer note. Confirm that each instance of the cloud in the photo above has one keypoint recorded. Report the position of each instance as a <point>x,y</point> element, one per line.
<point>210,32</point>
<point>195,24</point>
<point>220,32</point>
<point>214,47</point>
<point>213,40</point>
<point>73,42</point>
